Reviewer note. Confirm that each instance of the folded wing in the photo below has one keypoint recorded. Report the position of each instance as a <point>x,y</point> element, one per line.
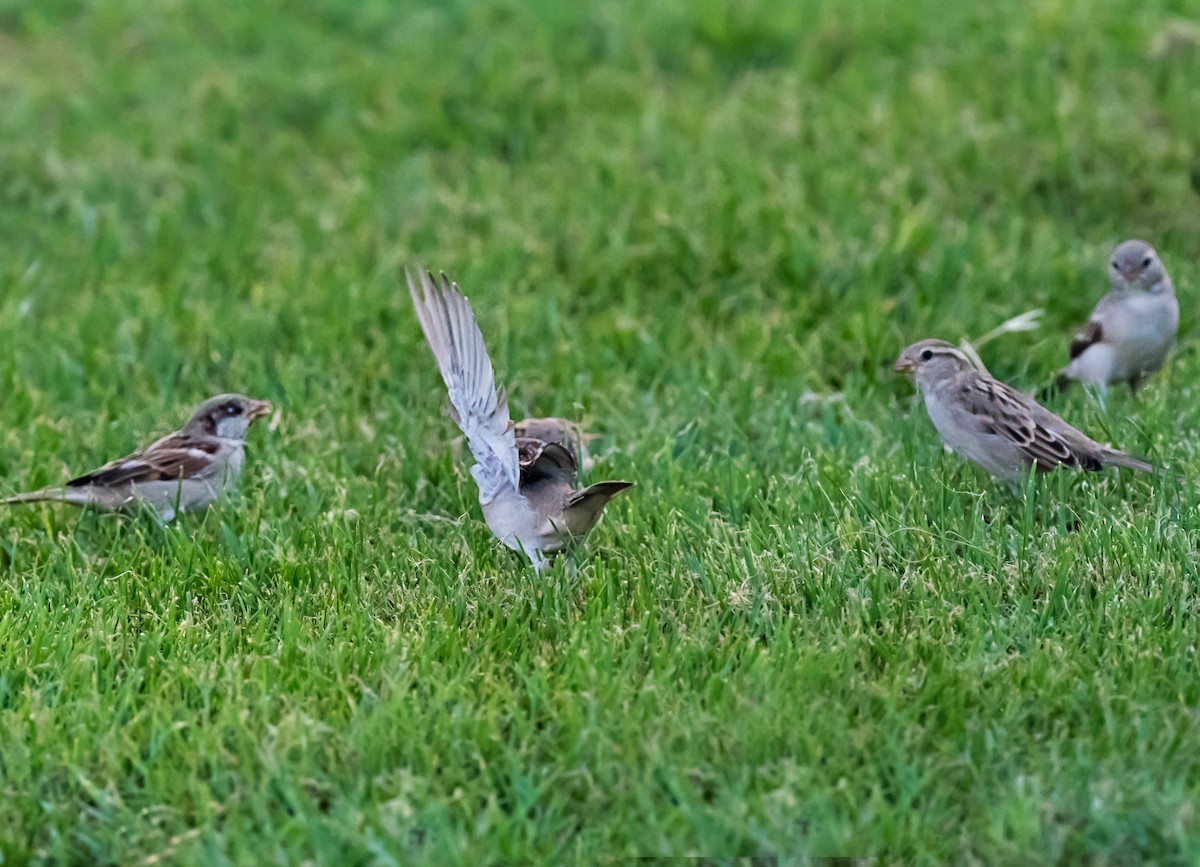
<point>1006,412</point>
<point>174,457</point>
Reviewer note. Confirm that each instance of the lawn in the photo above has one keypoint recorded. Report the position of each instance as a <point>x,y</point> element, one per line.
<point>704,228</point>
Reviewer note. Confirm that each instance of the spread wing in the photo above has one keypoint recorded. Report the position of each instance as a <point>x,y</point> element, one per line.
<point>480,409</point>
<point>175,456</point>
<point>1045,438</point>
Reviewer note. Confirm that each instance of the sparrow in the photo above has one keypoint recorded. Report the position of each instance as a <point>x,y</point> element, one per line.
<point>528,480</point>
<point>994,425</point>
<point>1133,327</point>
<point>184,470</point>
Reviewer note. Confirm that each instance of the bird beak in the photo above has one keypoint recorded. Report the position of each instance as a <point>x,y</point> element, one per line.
<point>257,409</point>
<point>1130,274</point>
<point>904,364</point>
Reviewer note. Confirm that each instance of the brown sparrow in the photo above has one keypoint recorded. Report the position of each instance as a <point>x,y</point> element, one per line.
<point>528,481</point>
<point>184,470</point>
<point>999,428</point>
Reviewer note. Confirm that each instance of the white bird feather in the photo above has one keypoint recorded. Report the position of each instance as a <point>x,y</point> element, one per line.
<point>480,408</point>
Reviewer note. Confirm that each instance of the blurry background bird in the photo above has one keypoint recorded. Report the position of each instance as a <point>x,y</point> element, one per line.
<point>1132,328</point>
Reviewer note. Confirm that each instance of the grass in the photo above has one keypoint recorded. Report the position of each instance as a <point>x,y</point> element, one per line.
<point>703,228</point>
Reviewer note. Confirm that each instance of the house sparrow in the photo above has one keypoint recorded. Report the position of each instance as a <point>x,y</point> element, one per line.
<point>184,470</point>
<point>1133,327</point>
<point>999,428</point>
<point>527,482</point>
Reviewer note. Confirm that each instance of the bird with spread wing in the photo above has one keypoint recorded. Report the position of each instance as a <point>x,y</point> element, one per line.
<point>527,473</point>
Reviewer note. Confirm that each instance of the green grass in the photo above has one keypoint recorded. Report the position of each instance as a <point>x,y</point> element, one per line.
<point>705,228</point>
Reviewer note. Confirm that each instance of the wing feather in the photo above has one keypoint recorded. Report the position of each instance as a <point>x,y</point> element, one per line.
<point>1004,411</point>
<point>480,408</point>
<point>566,433</point>
<point>176,456</point>
<point>1093,331</point>
<point>542,460</point>
<point>1085,338</point>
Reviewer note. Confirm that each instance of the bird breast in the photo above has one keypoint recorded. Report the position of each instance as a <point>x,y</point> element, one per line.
<point>963,433</point>
<point>1143,319</point>
<point>519,523</point>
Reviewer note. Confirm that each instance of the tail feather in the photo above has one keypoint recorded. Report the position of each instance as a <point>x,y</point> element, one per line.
<point>585,507</point>
<point>78,497</point>
<point>1114,458</point>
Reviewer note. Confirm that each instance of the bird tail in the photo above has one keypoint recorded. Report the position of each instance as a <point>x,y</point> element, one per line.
<point>51,495</point>
<point>1113,458</point>
<point>584,507</point>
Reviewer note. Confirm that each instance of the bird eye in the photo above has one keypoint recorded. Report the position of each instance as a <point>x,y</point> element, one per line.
<point>1145,263</point>
<point>927,354</point>
<point>1115,266</point>
<point>234,409</point>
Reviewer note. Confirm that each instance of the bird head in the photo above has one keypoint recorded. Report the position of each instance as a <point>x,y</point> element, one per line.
<point>931,361</point>
<point>1135,267</point>
<point>228,416</point>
